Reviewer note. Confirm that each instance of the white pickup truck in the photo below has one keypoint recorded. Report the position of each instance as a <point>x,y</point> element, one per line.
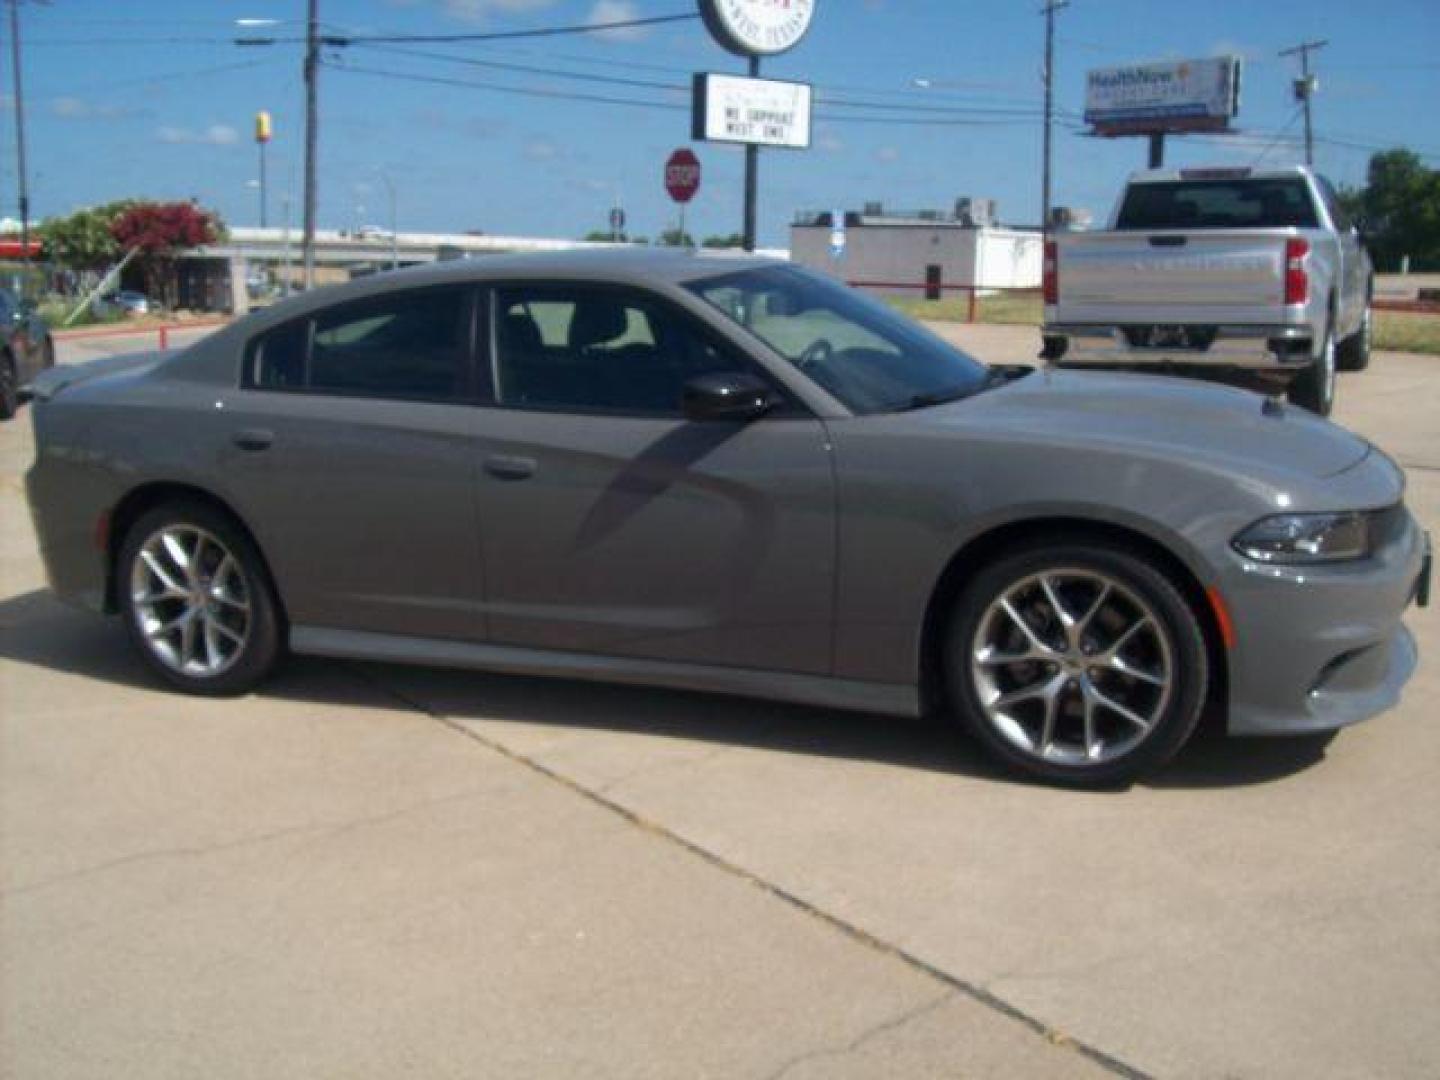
<point>1255,277</point>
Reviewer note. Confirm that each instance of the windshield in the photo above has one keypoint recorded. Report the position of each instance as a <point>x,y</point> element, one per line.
<point>870,358</point>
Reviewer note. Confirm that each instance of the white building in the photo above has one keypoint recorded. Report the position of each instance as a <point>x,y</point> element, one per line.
<point>924,253</point>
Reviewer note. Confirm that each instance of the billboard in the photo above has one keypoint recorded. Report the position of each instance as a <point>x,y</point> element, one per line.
<point>1173,95</point>
<point>765,112</point>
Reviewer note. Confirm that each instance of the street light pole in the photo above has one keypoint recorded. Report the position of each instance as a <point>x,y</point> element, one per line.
<point>1048,11</point>
<point>312,123</point>
<point>23,183</point>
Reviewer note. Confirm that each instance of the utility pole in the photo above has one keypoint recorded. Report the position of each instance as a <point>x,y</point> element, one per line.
<point>752,174</point>
<point>22,181</point>
<point>312,123</point>
<point>1305,88</point>
<point>1049,10</point>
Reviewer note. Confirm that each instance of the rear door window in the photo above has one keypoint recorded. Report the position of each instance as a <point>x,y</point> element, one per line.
<point>413,346</point>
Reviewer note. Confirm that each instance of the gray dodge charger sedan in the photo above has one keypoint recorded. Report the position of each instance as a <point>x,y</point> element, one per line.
<point>733,475</point>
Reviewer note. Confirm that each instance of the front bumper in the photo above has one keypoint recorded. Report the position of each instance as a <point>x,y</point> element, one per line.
<point>1322,647</point>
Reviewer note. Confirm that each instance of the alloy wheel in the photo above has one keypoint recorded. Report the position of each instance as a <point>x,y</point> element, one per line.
<point>191,601</point>
<point>1070,666</point>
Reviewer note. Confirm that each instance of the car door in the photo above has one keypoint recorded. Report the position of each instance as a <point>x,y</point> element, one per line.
<point>611,524</point>
<point>349,451</point>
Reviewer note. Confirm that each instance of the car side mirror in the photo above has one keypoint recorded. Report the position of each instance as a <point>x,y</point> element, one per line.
<point>730,395</point>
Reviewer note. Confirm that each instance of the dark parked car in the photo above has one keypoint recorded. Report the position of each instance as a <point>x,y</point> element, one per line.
<point>25,349</point>
<point>728,474</point>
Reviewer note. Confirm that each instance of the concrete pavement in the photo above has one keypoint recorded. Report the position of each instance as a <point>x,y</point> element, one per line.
<point>376,871</point>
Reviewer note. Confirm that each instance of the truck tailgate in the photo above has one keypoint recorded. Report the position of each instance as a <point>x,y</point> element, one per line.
<point>1198,276</point>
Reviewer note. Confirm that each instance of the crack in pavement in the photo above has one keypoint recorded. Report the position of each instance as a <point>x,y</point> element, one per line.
<point>324,828</point>
<point>875,1030</point>
<point>956,984</point>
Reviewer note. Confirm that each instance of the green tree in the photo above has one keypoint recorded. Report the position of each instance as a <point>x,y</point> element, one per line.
<point>675,238</point>
<point>734,240</point>
<point>83,241</point>
<point>1402,211</point>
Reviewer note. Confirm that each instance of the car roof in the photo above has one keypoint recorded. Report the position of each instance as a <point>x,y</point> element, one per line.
<point>620,265</point>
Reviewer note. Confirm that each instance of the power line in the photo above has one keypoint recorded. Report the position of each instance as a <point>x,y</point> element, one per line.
<point>822,93</point>
<point>494,35</point>
<point>1278,136</point>
<point>607,99</point>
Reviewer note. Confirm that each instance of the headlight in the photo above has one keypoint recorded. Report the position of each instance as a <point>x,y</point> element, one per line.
<point>1306,538</point>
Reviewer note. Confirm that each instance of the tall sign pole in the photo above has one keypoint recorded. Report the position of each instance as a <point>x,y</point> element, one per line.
<point>312,122</point>
<point>22,178</point>
<point>752,176</point>
<point>1305,88</point>
<point>262,139</point>
<point>1048,11</point>
<point>752,29</point>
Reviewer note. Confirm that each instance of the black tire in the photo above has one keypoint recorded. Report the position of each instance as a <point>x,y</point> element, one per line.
<point>1167,639</point>
<point>1314,388</point>
<point>9,387</point>
<point>1354,351</point>
<point>247,662</point>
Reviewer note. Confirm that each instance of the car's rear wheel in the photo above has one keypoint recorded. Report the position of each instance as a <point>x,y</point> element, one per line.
<point>9,387</point>
<point>1354,353</point>
<point>1076,661</point>
<point>197,601</point>
<point>1314,388</point>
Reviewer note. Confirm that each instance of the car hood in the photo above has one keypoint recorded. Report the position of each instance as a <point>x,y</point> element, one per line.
<point>53,380</point>
<point>1161,415</point>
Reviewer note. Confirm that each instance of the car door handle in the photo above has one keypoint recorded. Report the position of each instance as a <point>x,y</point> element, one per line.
<point>253,439</point>
<point>503,467</point>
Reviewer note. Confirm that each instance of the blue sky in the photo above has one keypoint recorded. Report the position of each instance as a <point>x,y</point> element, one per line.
<point>153,99</point>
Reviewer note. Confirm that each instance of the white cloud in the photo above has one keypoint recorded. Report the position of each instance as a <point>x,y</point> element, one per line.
<point>830,142</point>
<point>612,11</point>
<point>541,150</point>
<point>887,153</point>
<point>479,11</point>
<point>214,135</point>
<point>74,108</point>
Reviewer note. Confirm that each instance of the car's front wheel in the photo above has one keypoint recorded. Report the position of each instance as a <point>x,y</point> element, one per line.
<point>1076,661</point>
<point>197,601</point>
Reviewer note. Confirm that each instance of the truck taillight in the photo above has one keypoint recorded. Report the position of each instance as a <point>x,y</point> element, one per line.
<point>1297,281</point>
<point>1051,273</point>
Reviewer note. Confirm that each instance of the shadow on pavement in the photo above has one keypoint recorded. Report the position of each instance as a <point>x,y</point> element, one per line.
<point>37,630</point>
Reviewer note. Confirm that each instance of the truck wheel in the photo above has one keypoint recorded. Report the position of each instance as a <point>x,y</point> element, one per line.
<point>1314,388</point>
<point>1076,661</point>
<point>1354,354</point>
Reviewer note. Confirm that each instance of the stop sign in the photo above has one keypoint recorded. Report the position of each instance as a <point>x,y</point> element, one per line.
<point>682,175</point>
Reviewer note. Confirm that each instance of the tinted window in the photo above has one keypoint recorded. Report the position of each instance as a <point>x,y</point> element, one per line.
<point>1278,203</point>
<point>864,354</point>
<point>582,349</point>
<point>412,345</point>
